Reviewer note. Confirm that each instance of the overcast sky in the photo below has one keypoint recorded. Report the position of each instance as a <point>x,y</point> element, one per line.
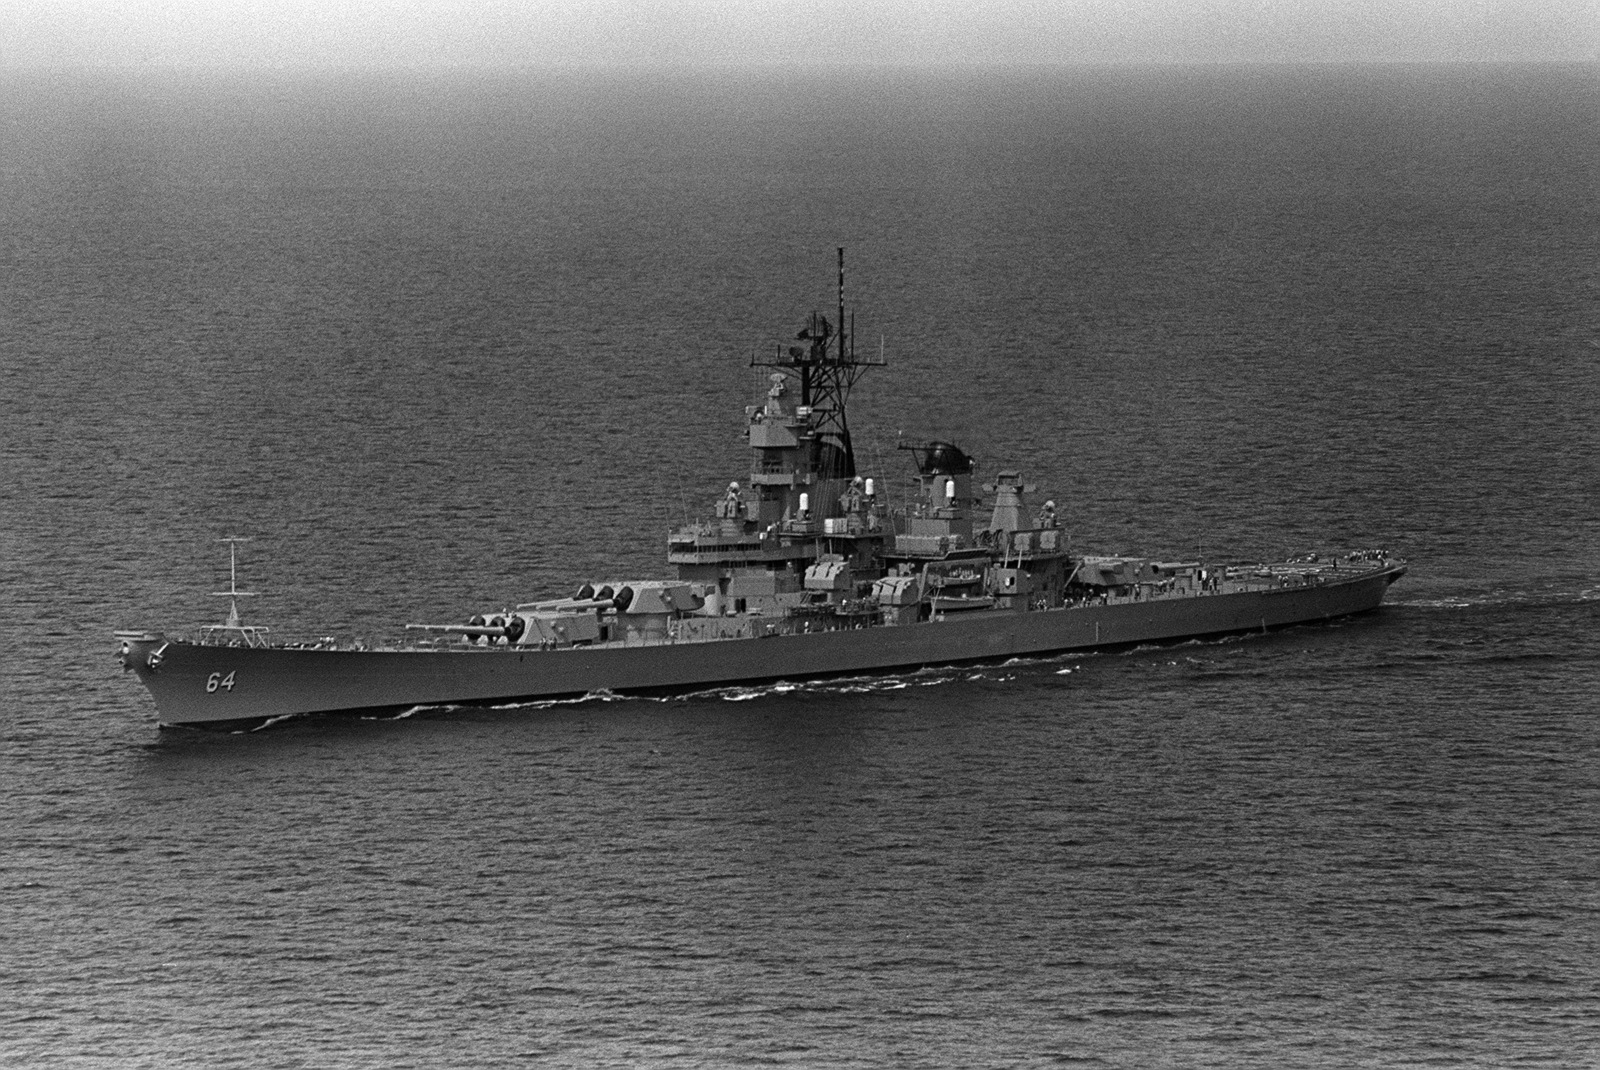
<point>549,33</point>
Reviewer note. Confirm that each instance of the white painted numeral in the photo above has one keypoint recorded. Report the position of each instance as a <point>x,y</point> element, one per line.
<point>216,680</point>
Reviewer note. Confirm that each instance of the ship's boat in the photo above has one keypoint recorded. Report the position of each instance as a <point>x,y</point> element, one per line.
<point>802,571</point>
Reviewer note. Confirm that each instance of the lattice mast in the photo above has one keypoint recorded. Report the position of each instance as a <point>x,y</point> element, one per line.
<point>827,368</point>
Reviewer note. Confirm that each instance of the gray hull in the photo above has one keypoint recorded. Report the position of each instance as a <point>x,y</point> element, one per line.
<point>204,684</point>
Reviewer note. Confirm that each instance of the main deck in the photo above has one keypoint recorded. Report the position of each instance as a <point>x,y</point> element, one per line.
<point>195,683</point>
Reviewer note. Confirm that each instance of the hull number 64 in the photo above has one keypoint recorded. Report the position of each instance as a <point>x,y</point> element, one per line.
<point>217,680</point>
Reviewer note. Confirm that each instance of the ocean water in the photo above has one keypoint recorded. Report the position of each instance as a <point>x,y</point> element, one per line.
<point>445,343</point>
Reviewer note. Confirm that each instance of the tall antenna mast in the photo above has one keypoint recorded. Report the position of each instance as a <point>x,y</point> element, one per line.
<point>844,354</point>
<point>232,632</point>
<point>233,594</point>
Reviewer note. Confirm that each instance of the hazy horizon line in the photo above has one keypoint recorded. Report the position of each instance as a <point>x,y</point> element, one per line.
<point>752,67</point>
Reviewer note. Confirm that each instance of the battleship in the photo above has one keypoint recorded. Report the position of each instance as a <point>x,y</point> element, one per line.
<point>805,570</point>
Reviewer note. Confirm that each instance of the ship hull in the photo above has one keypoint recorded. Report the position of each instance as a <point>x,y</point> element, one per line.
<point>215,685</point>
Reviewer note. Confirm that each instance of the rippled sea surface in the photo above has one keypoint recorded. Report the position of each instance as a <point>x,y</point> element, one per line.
<point>440,345</point>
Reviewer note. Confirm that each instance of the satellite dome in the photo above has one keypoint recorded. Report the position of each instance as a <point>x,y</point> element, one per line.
<point>944,459</point>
